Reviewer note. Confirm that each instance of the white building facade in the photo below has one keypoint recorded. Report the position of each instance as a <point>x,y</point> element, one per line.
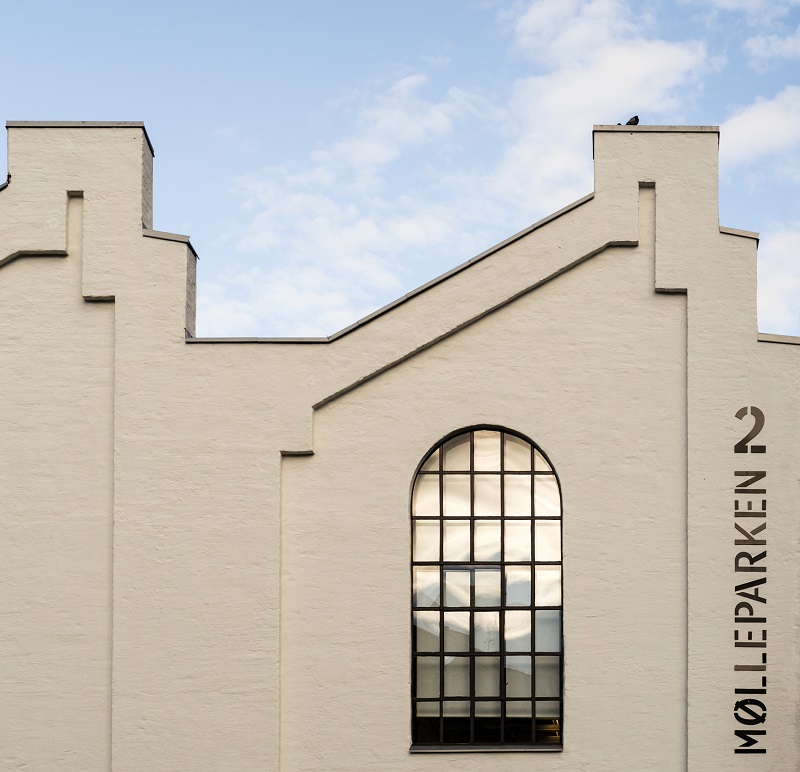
<point>541,513</point>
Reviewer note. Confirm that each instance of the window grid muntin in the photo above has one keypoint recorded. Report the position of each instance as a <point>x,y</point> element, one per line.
<point>536,739</point>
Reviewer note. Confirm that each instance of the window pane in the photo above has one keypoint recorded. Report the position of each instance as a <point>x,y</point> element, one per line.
<point>518,630</point>
<point>487,631</point>
<point>427,676</point>
<point>518,676</point>
<point>456,722</point>
<point>519,710</point>
<point>548,630</point>
<point>456,587</point>
<point>539,462</point>
<point>456,676</point>
<point>426,626</point>
<point>456,495</point>
<point>518,540</point>
<point>548,585</point>
<point>487,540</point>
<point>426,540</point>
<point>518,586</point>
<point>518,723</point>
<point>487,495</point>
<point>517,455</point>
<point>432,464</point>
<point>426,496</point>
<point>426,586</point>
<point>456,631</point>
<point>548,678</point>
<point>487,451</point>
<point>548,709</point>
<point>487,587</point>
<point>426,722</point>
<point>487,709</point>
<point>487,676</point>
<point>487,722</point>
<point>456,708</point>
<point>548,539</point>
<point>456,540</point>
<point>518,495</point>
<point>428,709</point>
<point>546,499</point>
<point>456,454</point>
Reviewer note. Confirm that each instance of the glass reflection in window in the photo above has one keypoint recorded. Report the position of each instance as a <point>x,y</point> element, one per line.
<point>486,594</point>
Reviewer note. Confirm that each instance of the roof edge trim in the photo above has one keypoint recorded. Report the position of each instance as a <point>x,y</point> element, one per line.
<point>659,129</point>
<point>165,236</point>
<point>469,322</point>
<point>765,337</point>
<point>463,266</point>
<point>408,296</point>
<point>83,125</point>
<point>738,232</point>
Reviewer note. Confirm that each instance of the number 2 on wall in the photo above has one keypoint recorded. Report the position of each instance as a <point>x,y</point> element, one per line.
<point>758,415</point>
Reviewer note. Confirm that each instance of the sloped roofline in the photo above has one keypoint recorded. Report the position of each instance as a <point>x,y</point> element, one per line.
<point>418,291</point>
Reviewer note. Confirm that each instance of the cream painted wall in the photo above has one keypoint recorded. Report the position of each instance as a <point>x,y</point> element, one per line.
<point>56,488</point>
<point>545,367</point>
<point>241,609</point>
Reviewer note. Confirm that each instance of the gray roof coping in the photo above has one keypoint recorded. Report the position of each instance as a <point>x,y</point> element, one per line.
<point>82,125</point>
<point>765,337</point>
<point>418,291</point>
<point>737,232</point>
<point>600,128</point>
<point>164,236</point>
<point>486,253</point>
<point>660,129</point>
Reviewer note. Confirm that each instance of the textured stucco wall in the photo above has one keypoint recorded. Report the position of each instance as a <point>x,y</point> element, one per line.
<point>244,610</point>
<point>56,504</point>
<point>620,458</point>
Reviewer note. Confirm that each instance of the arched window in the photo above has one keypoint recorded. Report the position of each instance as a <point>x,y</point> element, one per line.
<point>487,653</point>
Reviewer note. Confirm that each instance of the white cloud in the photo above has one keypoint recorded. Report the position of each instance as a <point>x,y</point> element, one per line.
<point>769,127</point>
<point>765,48</point>
<point>758,11</point>
<point>779,281</point>
<point>340,235</point>
<point>570,31</point>
<point>607,71</point>
<point>754,6</point>
<point>397,119</point>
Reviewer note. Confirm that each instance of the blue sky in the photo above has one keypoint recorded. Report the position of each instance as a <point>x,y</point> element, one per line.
<point>327,156</point>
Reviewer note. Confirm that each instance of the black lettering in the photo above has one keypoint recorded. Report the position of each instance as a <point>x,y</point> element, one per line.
<point>750,711</point>
<point>750,540</point>
<point>743,605</point>
<point>746,736</point>
<point>754,478</point>
<point>751,559</point>
<point>740,589</point>
<point>758,425</point>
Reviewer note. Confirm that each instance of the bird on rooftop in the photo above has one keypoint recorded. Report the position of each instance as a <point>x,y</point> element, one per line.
<point>633,121</point>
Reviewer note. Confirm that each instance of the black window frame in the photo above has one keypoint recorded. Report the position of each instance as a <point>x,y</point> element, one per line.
<point>477,733</point>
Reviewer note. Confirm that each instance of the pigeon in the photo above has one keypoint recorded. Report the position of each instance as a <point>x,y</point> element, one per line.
<point>633,121</point>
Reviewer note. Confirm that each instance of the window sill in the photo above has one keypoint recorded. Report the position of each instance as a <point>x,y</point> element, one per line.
<point>554,748</point>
